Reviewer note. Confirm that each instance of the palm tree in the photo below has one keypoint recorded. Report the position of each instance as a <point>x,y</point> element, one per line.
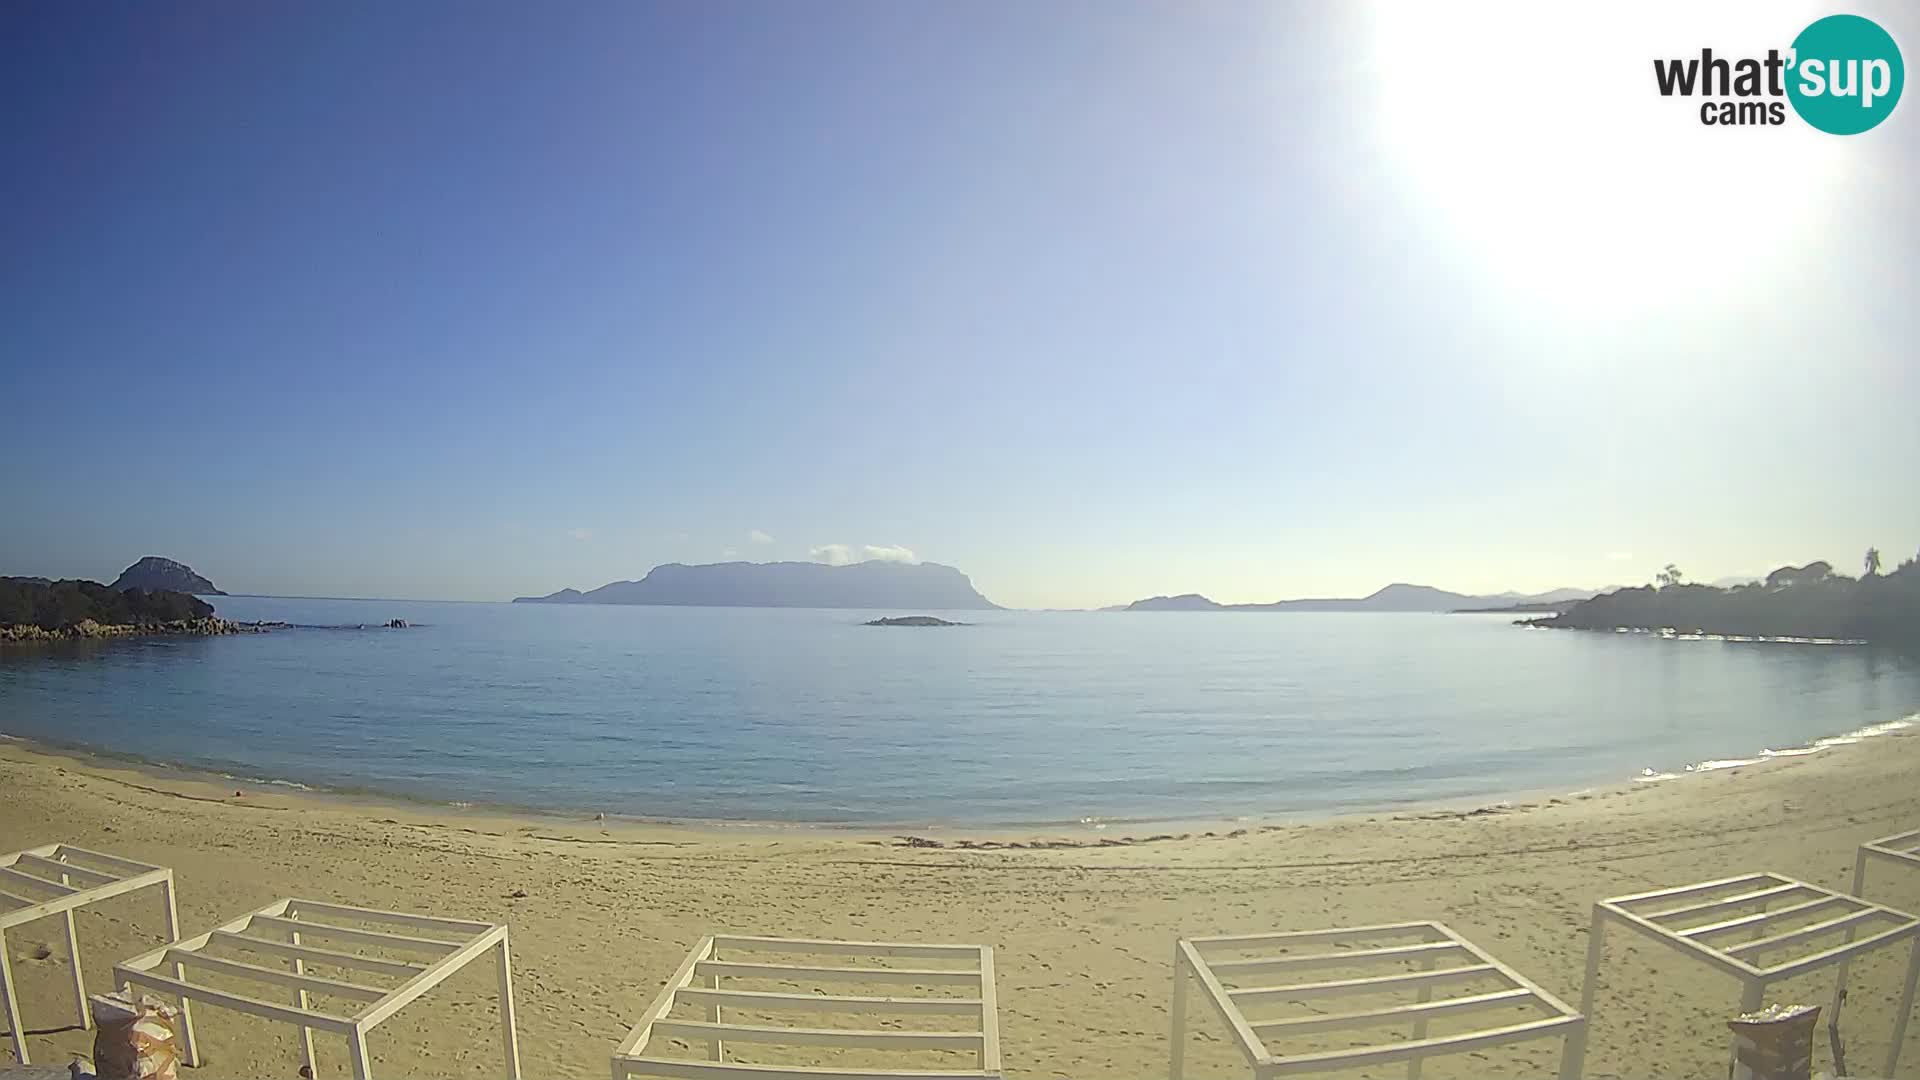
<point>1873,562</point>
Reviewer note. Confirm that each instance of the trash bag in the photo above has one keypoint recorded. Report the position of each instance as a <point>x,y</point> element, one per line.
<point>135,1040</point>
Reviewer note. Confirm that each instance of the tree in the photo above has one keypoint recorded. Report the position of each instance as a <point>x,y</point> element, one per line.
<point>1670,576</point>
<point>1873,562</point>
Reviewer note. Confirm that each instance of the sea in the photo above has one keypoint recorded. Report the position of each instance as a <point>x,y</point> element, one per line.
<point>1074,719</point>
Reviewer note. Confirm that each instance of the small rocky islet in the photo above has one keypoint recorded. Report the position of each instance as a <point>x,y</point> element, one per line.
<point>913,620</point>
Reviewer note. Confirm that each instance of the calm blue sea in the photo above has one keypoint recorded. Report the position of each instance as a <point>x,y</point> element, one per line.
<point>1024,717</point>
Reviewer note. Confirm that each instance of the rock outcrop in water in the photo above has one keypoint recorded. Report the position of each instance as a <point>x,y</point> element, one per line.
<point>40,610</point>
<point>154,572</point>
<point>788,584</point>
<point>912,620</point>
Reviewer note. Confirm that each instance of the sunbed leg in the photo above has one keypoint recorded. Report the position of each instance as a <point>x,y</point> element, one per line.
<point>180,973</point>
<point>1424,995</point>
<point>357,1050</point>
<point>1573,1057</point>
<point>13,1003</point>
<point>1176,1057</point>
<point>1840,973</point>
<point>509,1042</point>
<point>1595,931</point>
<point>300,999</point>
<point>1906,1008</point>
<point>716,1047</point>
<point>73,957</point>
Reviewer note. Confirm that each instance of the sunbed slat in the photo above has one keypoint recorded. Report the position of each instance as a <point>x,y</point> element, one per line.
<point>1379,1055</point>
<point>733,1070</point>
<point>846,948</point>
<point>318,955</point>
<point>361,937</point>
<point>787,1036</point>
<point>737,969</point>
<point>827,1002</point>
<point>1728,904</point>
<point>467,927</point>
<point>1761,917</point>
<point>201,961</point>
<point>1446,1007</point>
<point>7,873</point>
<point>82,874</point>
<point>1267,965</point>
<point>1370,985</point>
<point>1806,932</point>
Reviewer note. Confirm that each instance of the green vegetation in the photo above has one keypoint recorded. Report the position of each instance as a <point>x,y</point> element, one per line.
<point>1808,601</point>
<point>64,605</point>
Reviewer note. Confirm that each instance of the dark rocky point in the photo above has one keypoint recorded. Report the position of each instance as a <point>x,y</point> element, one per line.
<point>913,620</point>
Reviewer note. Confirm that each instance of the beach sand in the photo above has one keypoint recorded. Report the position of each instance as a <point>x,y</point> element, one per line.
<point>601,915</point>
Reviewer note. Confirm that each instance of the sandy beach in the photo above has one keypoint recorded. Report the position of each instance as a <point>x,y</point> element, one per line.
<point>1083,923</point>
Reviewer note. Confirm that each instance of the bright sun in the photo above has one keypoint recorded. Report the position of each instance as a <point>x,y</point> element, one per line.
<point>1535,133</point>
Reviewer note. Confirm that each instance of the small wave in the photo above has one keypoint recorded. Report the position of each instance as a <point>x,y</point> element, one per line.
<point>1650,776</point>
<point>1869,731</point>
<point>1722,763</point>
<point>264,781</point>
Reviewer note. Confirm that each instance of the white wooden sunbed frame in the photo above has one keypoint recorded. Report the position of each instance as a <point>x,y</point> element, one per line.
<point>1198,958</point>
<point>453,944</point>
<point>978,1029</point>
<point>1740,929</point>
<point>55,880</point>
<point>1902,849</point>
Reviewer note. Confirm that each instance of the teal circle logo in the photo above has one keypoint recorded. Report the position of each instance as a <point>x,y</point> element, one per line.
<point>1847,74</point>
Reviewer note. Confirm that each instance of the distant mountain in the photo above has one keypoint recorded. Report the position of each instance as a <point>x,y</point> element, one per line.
<point>1396,597</point>
<point>788,584</point>
<point>1183,602</point>
<point>154,572</point>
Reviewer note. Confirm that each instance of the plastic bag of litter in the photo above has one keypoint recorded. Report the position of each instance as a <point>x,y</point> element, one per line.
<point>135,1040</point>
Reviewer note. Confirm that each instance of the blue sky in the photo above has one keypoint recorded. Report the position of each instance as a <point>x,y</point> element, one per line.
<point>1094,301</point>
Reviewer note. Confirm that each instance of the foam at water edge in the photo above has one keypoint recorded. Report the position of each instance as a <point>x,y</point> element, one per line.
<point>1889,727</point>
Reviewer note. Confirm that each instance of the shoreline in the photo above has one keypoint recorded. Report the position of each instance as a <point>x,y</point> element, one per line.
<point>215,785</point>
<point>601,913</point>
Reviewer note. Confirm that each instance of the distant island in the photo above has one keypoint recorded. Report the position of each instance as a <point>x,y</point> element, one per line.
<point>1396,597</point>
<point>35,609</point>
<point>873,584</point>
<point>154,572</point>
<point>1793,602</point>
<point>912,620</point>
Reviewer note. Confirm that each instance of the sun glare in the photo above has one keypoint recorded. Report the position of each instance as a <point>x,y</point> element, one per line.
<point>1535,133</point>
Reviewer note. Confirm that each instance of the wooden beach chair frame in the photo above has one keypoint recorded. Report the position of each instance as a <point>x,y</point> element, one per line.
<point>1656,913</point>
<point>1436,942</point>
<point>292,922</point>
<point>703,966</point>
<point>78,877</point>
<point>1901,848</point>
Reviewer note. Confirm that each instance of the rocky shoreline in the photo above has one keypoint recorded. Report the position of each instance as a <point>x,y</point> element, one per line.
<point>87,629</point>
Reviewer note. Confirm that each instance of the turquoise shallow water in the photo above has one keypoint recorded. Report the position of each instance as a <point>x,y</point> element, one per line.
<point>1024,717</point>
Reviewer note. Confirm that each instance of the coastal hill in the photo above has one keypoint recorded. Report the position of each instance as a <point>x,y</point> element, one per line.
<point>33,609</point>
<point>154,572</point>
<point>1396,597</point>
<point>925,586</point>
<point>1794,601</point>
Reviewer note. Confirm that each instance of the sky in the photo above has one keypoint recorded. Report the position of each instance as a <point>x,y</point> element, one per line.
<point>1093,300</point>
